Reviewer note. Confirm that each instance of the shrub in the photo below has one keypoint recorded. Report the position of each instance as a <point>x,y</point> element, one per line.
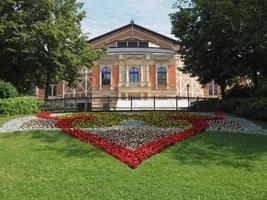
<point>210,105</point>
<point>253,108</point>
<point>7,90</point>
<point>19,105</point>
<point>240,91</point>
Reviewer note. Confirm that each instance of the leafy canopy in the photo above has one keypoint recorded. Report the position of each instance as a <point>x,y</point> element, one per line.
<point>215,41</point>
<point>42,42</point>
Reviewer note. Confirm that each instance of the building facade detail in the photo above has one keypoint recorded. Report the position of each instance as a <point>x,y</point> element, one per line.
<point>139,62</point>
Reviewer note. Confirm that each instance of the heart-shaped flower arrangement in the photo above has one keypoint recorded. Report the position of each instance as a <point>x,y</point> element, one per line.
<point>129,151</point>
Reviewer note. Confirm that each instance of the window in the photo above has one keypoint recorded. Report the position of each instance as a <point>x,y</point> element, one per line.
<point>213,88</point>
<point>162,76</point>
<point>134,75</point>
<point>143,44</point>
<point>122,44</point>
<point>106,76</point>
<point>52,90</point>
<point>132,44</point>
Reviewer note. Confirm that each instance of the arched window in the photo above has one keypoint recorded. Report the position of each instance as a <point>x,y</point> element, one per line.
<point>162,76</point>
<point>134,75</point>
<point>106,76</point>
<point>213,88</point>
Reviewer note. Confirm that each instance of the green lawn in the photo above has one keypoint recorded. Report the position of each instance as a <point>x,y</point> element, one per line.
<point>51,165</point>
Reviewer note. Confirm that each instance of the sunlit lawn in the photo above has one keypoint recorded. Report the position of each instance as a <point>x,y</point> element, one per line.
<point>51,165</point>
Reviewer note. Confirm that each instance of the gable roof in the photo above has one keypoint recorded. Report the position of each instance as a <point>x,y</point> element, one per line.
<point>132,24</point>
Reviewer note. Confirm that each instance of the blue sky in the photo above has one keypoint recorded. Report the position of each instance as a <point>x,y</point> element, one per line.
<point>105,15</point>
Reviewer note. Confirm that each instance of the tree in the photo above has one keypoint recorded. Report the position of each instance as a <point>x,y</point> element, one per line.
<point>213,37</point>
<point>253,17</point>
<point>46,44</point>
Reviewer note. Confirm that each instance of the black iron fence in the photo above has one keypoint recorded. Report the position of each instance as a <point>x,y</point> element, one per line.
<point>87,104</point>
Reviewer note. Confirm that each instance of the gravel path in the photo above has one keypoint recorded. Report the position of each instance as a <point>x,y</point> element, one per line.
<point>20,124</point>
<point>235,124</point>
<point>229,124</point>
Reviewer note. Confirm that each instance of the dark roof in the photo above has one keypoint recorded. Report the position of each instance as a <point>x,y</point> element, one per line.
<point>137,26</point>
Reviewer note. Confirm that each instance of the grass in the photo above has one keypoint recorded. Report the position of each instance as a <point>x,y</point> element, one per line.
<point>51,165</point>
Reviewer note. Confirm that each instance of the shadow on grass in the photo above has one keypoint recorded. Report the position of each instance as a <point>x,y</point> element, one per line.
<point>56,141</point>
<point>228,149</point>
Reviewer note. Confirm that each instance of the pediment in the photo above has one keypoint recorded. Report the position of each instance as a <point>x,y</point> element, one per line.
<point>134,32</point>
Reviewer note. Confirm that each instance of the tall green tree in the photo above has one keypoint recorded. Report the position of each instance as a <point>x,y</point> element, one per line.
<point>253,20</point>
<point>46,44</point>
<point>215,42</point>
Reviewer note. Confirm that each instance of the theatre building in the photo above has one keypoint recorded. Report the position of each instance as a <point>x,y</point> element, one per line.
<point>139,62</point>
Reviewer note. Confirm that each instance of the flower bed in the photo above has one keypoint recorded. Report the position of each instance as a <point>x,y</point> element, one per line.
<point>132,153</point>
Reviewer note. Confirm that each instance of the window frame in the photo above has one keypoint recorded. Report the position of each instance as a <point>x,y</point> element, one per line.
<point>213,89</point>
<point>134,76</point>
<point>52,91</point>
<point>161,81</point>
<point>105,73</point>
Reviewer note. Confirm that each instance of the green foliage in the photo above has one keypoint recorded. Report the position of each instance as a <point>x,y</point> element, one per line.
<point>212,165</point>
<point>222,40</point>
<point>41,42</point>
<point>7,90</point>
<point>19,105</point>
<point>239,91</point>
<point>106,119</point>
<point>253,108</point>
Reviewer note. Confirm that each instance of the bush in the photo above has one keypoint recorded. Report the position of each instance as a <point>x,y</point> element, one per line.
<point>210,105</point>
<point>240,91</point>
<point>7,90</point>
<point>253,108</point>
<point>19,105</point>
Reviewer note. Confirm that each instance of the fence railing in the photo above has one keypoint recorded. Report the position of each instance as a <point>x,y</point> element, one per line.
<point>87,104</point>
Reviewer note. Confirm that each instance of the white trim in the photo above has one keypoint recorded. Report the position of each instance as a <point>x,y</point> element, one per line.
<point>167,74</point>
<point>63,88</point>
<point>86,79</point>
<point>139,73</point>
<point>100,74</point>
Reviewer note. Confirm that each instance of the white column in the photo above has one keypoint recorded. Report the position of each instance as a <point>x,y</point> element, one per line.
<point>156,75</point>
<point>100,78</point>
<point>111,77</point>
<point>147,75</point>
<point>142,75</point>
<point>120,75</point>
<point>127,75</point>
<point>86,79</point>
<point>180,87</point>
<point>167,75</point>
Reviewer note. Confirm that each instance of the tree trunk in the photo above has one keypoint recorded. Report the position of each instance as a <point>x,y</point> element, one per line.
<point>223,87</point>
<point>48,79</point>
<point>255,74</point>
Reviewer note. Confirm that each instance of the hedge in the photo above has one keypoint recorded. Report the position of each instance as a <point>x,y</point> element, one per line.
<point>7,90</point>
<point>19,105</point>
<point>251,107</point>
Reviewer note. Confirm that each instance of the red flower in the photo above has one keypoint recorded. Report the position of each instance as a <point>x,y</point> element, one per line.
<point>132,158</point>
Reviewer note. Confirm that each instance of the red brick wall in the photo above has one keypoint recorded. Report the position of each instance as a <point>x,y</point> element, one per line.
<point>95,76</point>
<point>60,89</point>
<point>115,75</point>
<point>152,76</point>
<point>172,75</point>
<point>206,90</point>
